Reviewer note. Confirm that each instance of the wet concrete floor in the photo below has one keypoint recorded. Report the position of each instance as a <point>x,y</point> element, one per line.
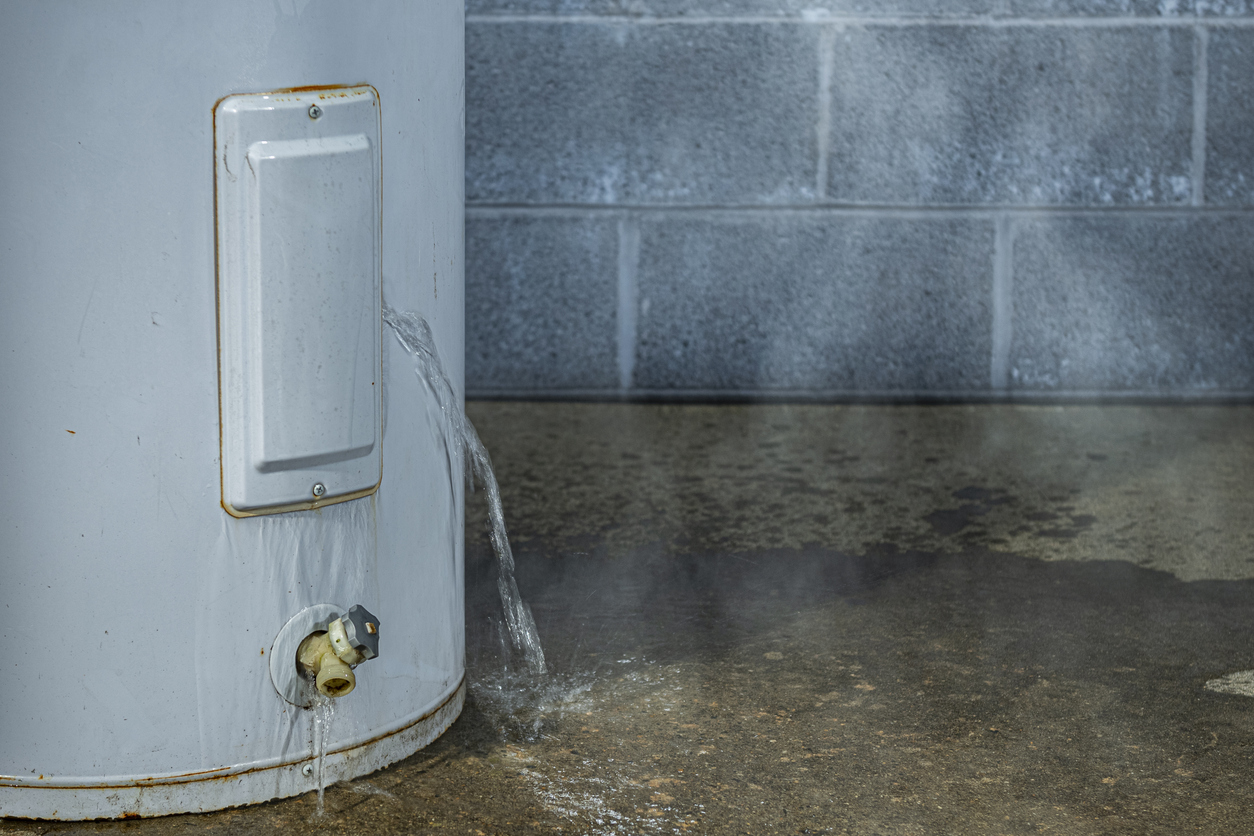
<point>857,619</point>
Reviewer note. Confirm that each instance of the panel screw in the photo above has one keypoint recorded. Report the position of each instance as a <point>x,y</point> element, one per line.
<point>319,489</point>
<point>314,111</point>
<point>307,769</point>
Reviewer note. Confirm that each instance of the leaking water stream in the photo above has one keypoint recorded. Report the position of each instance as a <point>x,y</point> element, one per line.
<point>464,452</point>
<point>465,456</point>
<point>324,710</point>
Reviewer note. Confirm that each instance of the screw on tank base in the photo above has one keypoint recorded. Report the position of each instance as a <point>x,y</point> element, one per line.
<point>314,111</point>
<point>319,489</point>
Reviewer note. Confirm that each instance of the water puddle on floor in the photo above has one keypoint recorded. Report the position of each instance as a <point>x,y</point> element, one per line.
<point>906,690</point>
<point>1240,684</point>
<point>620,789</point>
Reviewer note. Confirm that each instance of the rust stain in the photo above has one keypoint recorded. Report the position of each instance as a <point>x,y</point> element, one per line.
<point>314,88</point>
<point>129,816</point>
<point>324,93</point>
<point>311,505</point>
<point>71,432</point>
<point>217,291</point>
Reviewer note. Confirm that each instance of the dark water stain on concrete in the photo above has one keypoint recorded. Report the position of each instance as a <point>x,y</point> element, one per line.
<point>947,522</point>
<point>901,691</point>
<point>1077,524</point>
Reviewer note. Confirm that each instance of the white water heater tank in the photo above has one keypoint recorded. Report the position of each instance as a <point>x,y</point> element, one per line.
<point>212,447</point>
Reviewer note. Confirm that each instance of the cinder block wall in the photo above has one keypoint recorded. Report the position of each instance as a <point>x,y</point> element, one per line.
<point>899,199</point>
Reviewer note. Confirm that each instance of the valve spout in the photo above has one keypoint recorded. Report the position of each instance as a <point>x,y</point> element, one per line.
<point>316,658</point>
<point>328,656</point>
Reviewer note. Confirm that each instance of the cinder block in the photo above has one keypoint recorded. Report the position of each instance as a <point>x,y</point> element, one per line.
<point>745,8</point>
<point>1040,115</point>
<point>1230,118</point>
<point>1133,303</point>
<point>541,303</point>
<point>836,9</point>
<point>620,113</point>
<point>814,301</point>
<point>1169,9</point>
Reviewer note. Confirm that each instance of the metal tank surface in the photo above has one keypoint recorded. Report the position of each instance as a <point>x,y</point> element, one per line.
<point>213,451</point>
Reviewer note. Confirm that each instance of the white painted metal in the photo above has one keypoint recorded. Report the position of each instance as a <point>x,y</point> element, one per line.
<point>137,615</point>
<point>299,314</point>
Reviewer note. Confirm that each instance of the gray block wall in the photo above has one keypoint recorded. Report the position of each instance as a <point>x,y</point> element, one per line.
<point>924,199</point>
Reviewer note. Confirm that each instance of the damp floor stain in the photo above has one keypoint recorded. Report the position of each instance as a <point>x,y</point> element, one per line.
<point>861,620</point>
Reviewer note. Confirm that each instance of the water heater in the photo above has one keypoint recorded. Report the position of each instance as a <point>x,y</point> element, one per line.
<point>215,455</point>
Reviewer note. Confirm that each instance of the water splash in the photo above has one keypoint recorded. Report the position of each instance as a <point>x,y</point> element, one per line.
<point>465,452</point>
<point>367,788</point>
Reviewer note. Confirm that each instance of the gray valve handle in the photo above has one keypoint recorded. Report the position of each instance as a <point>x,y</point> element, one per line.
<point>362,630</point>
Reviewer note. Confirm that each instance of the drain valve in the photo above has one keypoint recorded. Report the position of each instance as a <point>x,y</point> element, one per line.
<point>329,654</point>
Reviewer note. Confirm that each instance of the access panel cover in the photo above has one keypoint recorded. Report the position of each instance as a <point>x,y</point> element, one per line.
<point>298,224</point>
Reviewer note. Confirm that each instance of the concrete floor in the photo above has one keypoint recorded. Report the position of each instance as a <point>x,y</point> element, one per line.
<point>867,620</point>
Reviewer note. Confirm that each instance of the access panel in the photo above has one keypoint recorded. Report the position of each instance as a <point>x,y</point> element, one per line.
<point>298,224</point>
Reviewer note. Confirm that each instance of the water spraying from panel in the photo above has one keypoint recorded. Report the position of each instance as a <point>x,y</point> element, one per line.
<point>465,452</point>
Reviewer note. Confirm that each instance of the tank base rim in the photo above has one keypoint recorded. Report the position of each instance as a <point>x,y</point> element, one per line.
<point>219,792</point>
